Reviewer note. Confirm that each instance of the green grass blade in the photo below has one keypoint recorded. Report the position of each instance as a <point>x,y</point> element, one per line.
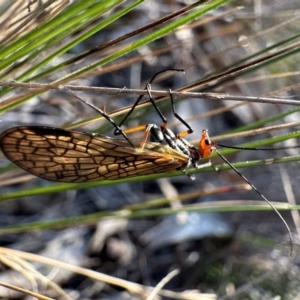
<point>60,187</point>
<point>146,40</point>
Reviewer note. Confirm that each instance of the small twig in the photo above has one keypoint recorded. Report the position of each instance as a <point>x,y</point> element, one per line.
<point>254,131</point>
<point>162,283</point>
<point>121,91</point>
<point>24,291</point>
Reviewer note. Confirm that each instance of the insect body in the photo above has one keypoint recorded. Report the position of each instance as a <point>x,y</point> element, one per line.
<point>69,156</point>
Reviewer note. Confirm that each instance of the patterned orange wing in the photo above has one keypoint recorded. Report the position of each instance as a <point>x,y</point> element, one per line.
<point>69,156</point>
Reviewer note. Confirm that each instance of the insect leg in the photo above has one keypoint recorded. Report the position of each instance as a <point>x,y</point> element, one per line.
<point>176,142</point>
<point>189,128</point>
<point>163,118</point>
<point>104,115</point>
<point>147,130</point>
<point>118,131</point>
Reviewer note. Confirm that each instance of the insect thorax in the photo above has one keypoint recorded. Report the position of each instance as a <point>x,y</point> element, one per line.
<point>167,137</point>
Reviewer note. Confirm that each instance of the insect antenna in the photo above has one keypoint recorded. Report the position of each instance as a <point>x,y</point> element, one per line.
<point>259,149</point>
<point>261,195</point>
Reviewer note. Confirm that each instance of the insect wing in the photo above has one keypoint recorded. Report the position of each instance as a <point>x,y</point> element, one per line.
<point>69,156</point>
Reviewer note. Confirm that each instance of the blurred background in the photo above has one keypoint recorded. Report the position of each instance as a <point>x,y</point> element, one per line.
<point>215,230</point>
